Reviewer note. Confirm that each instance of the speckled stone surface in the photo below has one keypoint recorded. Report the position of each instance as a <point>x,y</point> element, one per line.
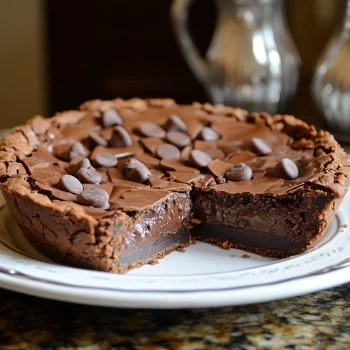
<point>316,321</point>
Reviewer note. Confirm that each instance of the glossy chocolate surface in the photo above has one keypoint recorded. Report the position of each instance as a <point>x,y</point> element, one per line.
<point>235,143</point>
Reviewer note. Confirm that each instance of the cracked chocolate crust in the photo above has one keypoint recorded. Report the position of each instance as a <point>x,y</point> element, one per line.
<point>85,240</point>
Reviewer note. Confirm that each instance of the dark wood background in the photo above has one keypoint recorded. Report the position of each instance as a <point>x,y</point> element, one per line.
<point>109,48</point>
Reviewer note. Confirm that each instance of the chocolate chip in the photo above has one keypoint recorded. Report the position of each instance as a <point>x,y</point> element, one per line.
<point>178,139</point>
<point>260,147</point>
<point>136,171</point>
<point>124,154</point>
<point>175,123</point>
<point>167,151</point>
<point>239,172</point>
<point>95,197</point>
<point>286,169</point>
<point>185,153</point>
<point>67,152</point>
<point>70,184</point>
<point>106,160</point>
<point>89,176</point>
<point>75,166</point>
<point>96,139</point>
<point>151,130</point>
<point>77,150</point>
<point>208,134</point>
<point>120,138</point>
<point>110,117</point>
<point>199,159</point>
<point>128,163</point>
<point>133,163</point>
<point>138,174</point>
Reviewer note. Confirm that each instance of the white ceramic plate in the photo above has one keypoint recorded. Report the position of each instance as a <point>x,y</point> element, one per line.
<point>203,276</point>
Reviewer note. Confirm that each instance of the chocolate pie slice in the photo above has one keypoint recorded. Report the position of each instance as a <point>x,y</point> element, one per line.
<point>118,184</point>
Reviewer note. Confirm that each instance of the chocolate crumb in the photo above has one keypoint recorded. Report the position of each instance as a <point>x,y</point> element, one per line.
<point>226,245</point>
<point>181,249</point>
<point>220,180</point>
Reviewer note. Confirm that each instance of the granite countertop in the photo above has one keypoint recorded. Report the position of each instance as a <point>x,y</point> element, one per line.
<point>317,321</point>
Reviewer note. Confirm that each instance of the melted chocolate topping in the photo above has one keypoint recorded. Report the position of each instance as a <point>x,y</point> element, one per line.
<point>234,145</point>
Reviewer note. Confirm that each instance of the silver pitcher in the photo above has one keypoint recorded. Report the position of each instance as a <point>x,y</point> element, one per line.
<point>251,62</point>
<point>331,83</point>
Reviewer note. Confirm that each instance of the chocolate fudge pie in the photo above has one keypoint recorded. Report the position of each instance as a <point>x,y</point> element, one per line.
<point>117,184</point>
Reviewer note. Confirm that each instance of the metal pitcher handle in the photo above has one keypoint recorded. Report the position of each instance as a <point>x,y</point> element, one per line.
<point>179,14</point>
